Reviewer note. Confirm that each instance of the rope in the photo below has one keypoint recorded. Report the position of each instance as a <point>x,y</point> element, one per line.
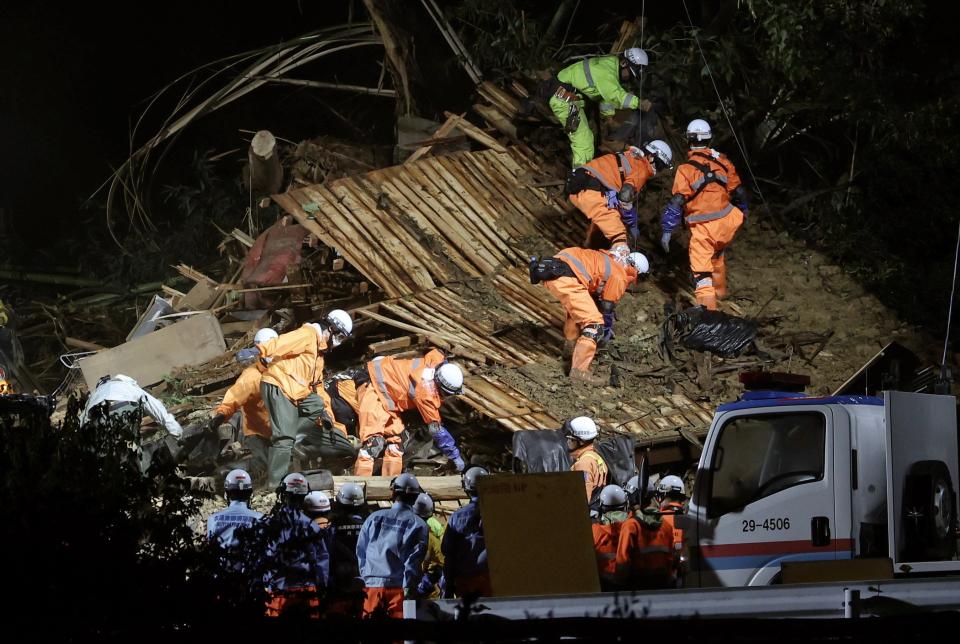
<point>643,19</point>
<point>953,291</point>
<point>723,107</point>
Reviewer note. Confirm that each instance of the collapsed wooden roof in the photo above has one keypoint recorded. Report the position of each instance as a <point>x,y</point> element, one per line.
<point>445,238</point>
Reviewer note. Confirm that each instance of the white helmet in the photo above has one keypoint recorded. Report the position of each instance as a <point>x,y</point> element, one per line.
<point>636,58</point>
<point>660,151</point>
<point>698,130</point>
<point>671,484</point>
<point>264,335</point>
<point>237,481</point>
<point>470,478</point>
<point>639,262</point>
<point>295,484</point>
<point>350,494</point>
<point>316,502</point>
<point>582,428</point>
<point>613,497</point>
<point>341,326</point>
<point>449,379</point>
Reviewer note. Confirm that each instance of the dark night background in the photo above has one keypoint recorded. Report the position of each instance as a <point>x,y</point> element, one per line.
<point>75,76</point>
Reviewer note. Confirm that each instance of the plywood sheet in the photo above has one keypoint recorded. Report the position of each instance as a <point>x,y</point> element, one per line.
<point>150,357</point>
<point>538,534</point>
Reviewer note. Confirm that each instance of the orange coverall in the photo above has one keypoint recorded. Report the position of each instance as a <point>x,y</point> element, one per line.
<point>592,465</point>
<point>396,386</point>
<point>295,363</point>
<point>244,395</point>
<point>606,541</point>
<point>712,219</point>
<point>612,171</point>
<point>598,275</point>
<point>650,552</point>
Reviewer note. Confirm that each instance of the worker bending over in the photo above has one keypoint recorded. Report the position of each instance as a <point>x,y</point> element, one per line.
<point>588,283</point>
<point>244,396</point>
<point>292,383</point>
<point>708,195</point>
<point>606,190</point>
<point>394,386</point>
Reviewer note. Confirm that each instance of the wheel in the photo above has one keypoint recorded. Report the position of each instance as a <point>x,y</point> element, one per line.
<point>929,513</point>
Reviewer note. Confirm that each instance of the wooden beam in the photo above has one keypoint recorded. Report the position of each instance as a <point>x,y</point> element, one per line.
<point>359,89</point>
<point>390,345</point>
<point>377,488</point>
<point>478,135</point>
<point>442,131</point>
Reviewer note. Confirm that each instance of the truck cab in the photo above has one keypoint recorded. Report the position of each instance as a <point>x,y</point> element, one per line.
<point>789,478</point>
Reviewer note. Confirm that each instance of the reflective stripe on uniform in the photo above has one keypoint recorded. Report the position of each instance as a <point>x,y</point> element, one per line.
<point>706,281</point>
<point>586,72</point>
<point>709,216</point>
<point>607,107</point>
<point>626,100</point>
<point>607,269</point>
<point>378,375</point>
<point>625,166</point>
<point>412,390</point>
<point>598,460</point>
<point>577,265</point>
<point>596,176</point>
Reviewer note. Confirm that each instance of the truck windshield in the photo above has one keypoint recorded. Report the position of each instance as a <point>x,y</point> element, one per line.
<point>757,456</point>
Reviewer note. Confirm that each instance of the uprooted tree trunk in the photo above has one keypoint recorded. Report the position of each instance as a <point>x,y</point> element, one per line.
<point>264,173</point>
<point>387,17</point>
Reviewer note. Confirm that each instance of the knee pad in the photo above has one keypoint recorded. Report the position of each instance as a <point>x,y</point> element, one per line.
<point>375,445</point>
<point>704,278</point>
<point>592,332</point>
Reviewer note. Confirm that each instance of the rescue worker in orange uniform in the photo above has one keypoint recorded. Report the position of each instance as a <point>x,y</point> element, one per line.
<point>292,383</point>
<point>671,497</point>
<point>708,195</point>
<point>396,386</point>
<point>613,566</point>
<point>581,279</point>
<point>244,396</point>
<point>580,433</point>
<point>605,190</point>
<point>646,541</point>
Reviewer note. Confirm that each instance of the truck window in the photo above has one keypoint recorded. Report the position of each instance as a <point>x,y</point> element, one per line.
<point>757,456</point>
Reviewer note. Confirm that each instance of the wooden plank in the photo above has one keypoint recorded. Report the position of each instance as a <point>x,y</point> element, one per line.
<point>477,134</point>
<point>497,119</point>
<point>335,238</point>
<point>451,217</point>
<point>385,249</point>
<point>410,328</point>
<point>245,326</point>
<point>191,273</point>
<point>402,246</point>
<point>448,126</point>
<point>150,357</point>
<point>450,220</point>
<point>200,297</point>
<point>377,488</point>
<point>392,344</point>
<point>424,257</point>
<point>455,249</point>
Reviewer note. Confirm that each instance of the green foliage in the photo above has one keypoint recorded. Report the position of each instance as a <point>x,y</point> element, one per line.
<point>501,36</point>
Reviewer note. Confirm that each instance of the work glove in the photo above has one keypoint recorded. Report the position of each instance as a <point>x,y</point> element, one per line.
<point>665,242</point>
<point>608,319</point>
<point>744,208</point>
<point>645,105</point>
<point>215,422</point>
<point>248,356</point>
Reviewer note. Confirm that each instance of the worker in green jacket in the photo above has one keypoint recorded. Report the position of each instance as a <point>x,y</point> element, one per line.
<point>598,79</point>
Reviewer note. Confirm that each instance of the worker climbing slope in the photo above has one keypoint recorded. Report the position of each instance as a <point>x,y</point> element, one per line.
<point>599,79</point>
<point>708,195</point>
<point>588,283</point>
<point>395,386</point>
<point>292,383</point>
<point>606,190</point>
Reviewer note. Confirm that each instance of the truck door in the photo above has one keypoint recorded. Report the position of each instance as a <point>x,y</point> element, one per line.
<point>765,495</point>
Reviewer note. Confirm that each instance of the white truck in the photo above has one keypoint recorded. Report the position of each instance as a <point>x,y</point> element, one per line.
<point>789,478</point>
